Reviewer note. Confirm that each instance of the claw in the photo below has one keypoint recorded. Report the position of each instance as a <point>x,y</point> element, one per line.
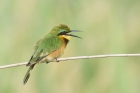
<point>47,62</point>
<point>56,60</point>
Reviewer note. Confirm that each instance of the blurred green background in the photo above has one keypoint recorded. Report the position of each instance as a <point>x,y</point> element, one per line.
<point>109,27</point>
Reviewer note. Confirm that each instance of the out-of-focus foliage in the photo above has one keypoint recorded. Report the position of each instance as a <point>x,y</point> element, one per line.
<point>109,27</point>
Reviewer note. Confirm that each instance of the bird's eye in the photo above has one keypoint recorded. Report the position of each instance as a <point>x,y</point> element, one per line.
<point>62,31</point>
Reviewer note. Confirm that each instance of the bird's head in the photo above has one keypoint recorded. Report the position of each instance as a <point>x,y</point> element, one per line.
<point>64,31</point>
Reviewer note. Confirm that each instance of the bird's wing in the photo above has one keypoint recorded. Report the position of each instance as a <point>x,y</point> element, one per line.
<point>44,47</point>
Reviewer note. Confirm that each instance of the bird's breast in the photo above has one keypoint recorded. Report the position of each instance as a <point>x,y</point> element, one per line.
<point>57,53</point>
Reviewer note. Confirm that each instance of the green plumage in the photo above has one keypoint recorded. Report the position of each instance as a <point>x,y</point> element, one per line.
<point>47,44</point>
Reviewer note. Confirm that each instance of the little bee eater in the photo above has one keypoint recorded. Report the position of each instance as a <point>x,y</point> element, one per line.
<point>50,47</point>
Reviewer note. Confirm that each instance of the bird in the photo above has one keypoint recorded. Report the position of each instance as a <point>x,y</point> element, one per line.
<point>50,47</point>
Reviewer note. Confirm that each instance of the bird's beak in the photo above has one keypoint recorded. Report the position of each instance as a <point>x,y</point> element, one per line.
<point>68,34</point>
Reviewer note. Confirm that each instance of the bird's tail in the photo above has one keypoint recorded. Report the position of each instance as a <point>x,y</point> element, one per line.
<point>28,74</point>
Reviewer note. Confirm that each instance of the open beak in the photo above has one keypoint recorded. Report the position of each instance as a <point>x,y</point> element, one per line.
<point>68,34</point>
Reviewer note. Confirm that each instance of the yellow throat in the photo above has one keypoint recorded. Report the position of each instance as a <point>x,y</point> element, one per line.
<point>65,37</point>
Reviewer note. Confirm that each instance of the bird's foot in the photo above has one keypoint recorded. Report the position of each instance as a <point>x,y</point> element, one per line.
<point>56,60</point>
<point>47,62</point>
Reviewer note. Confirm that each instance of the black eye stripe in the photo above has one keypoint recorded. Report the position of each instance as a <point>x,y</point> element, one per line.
<point>62,33</point>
